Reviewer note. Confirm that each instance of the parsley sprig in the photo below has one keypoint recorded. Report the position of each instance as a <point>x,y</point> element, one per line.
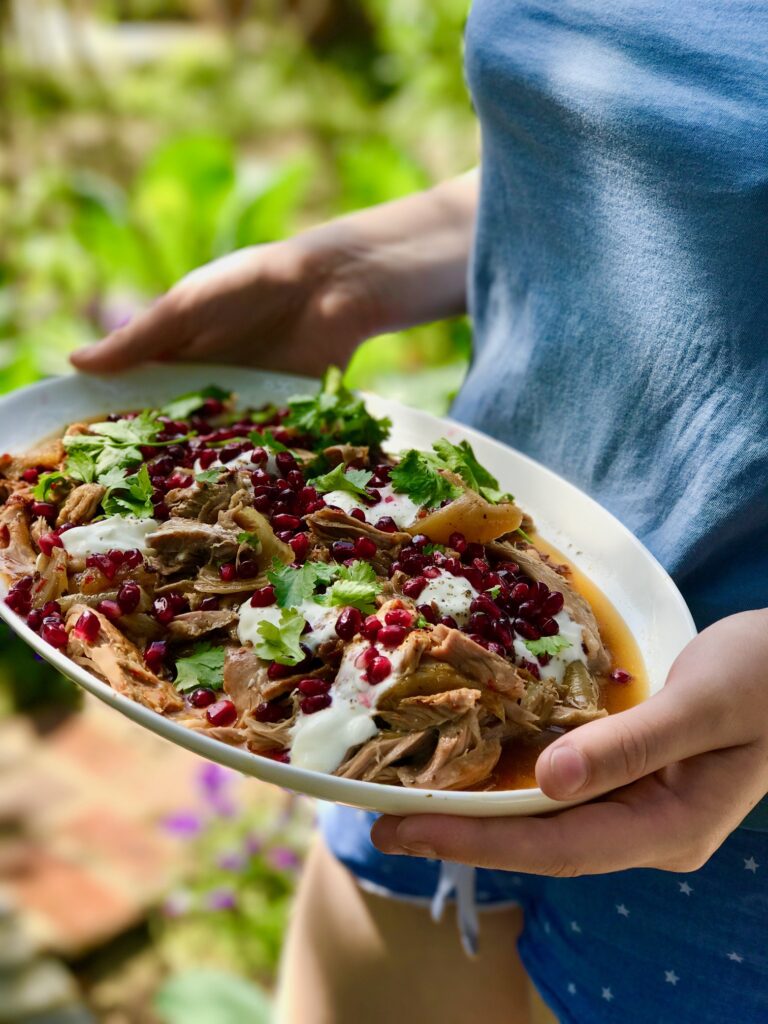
<point>548,645</point>
<point>336,415</point>
<point>280,641</point>
<point>421,474</point>
<point>204,667</point>
<point>353,481</point>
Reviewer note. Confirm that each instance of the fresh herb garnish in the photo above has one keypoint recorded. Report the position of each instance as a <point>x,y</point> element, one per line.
<point>109,446</point>
<point>353,481</point>
<point>523,534</point>
<point>48,484</point>
<point>281,642</point>
<point>190,402</point>
<point>251,539</point>
<point>128,495</point>
<point>263,415</point>
<point>335,414</point>
<point>547,645</point>
<point>421,622</point>
<point>462,460</point>
<point>418,475</point>
<point>210,476</point>
<point>357,586</point>
<point>431,549</point>
<point>294,585</point>
<point>494,591</point>
<point>204,667</point>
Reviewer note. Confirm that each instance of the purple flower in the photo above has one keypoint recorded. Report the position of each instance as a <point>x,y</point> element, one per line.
<point>183,824</point>
<point>253,844</point>
<point>230,860</point>
<point>214,779</point>
<point>176,904</point>
<point>222,898</point>
<point>283,858</point>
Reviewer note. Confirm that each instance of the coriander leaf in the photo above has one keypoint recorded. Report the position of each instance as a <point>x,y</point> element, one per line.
<point>268,440</point>
<point>263,415</point>
<point>80,466</point>
<point>353,481</point>
<point>418,476</point>
<point>186,404</point>
<point>131,496</point>
<point>281,642</point>
<point>251,539</point>
<point>547,645</point>
<point>430,549</point>
<point>335,414</point>
<point>209,476</point>
<point>494,591</point>
<point>294,585</point>
<point>421,622</point>
<point>461,459</point>
<point>204,667</point>
<point>47,485</point>
<point>357,586</point>
<point>142,429</point>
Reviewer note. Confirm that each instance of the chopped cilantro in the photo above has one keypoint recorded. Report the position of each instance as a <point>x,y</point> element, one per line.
<point>523,534</point>
<point>263,415</point>
<point>357,586</point>
<point>251,539</point>
<point>268,440</point>
<point>128,495</point>
<point>418,475</point>
<point>281,642</point>
<point>353,481</point>
<point>335,415</point>
<point>296,584</point>
<point>204,667</point>
<point>494,591</point>
<point>430,549</point>
<point>210,476</point>
<point>421,622</point>
<point>462,460</point>
<point>547,645</point>
<point>190,402</point>
<point>109,446</point>
<point>47,485</point>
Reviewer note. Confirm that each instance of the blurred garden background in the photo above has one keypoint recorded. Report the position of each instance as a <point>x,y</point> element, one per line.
<point>139,139</point>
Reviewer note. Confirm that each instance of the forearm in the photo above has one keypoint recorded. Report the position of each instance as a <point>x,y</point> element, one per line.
<point>407,258</point>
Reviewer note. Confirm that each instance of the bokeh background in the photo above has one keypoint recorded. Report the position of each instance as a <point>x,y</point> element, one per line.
<point>139,139</point>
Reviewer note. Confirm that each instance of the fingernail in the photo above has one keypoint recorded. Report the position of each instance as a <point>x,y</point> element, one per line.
<point>570,769</point>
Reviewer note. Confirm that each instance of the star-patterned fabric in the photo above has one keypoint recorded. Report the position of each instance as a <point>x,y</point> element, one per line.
<point>633,947</point>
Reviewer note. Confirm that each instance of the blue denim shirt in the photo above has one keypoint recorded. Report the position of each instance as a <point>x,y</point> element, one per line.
<point>619,285</point>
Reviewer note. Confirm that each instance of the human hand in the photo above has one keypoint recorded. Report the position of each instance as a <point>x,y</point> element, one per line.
<point>680,771</point>
<point>296,305</point>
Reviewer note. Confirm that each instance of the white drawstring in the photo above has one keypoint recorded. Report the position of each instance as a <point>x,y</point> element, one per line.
<point>459,879</point>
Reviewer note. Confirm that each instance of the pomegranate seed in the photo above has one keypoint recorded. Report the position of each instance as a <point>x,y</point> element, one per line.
<point>227,572</point>
<point>307,495</point>
<point>392,636</point>
<point>413,587</point>
<point>223,712</point>
<point>247,568</point>
<point>496,648</point>
<point>206,458</point>
<point>480,623</point>
<point>419,540</point>
<point>300,546</point>
<point>370,628</point>
<point>24,584</point>
<point>155,655</point>
<point>49,541</point>
<point>162,609</point>
<point>259,456</point>
<point>270,712</point>
<point>387,524</point>
<point>19,602</point>
<point>483,603</point>
<point>553,603</point>
<point>342,549</point>
<point>202,697</point>
<point>311,705</point>
<point>620,675</point>
<point>262,502</point>
<point>364,659</point>
<point>103,563</point>
<point>260,478</point>
<point>44,509</point>
<point>35,619</point>
<point>548,627</point>
<point>54,633</point>
<point>30,476</point>
<point>263,597</point>
<point>452,565</point>
<point>295,479</point>
<point>358,514</point>
<point>212,407</point>
<point>473,551</point>
<point>502,632</point>
<point>473,576</point>
<point>349,622</point>
<point>52,608</point>
<point>458,542</point>
<point>313,687</point>
<point>133,559</point>
<point>285,463</point>
<point>519,593</point>
<point>281,755</point>
<point>527,630</point>
<point>449,621</point>
<point>277,671</point>
<point>399,617</point>
<point>286,522</point>
<point>128,597</point>
<point>428,612</point>
<point>365,547</point>
<point>432,572</point>
<point>379,668</point>
<point>209,604</point>
<point>111,609</point>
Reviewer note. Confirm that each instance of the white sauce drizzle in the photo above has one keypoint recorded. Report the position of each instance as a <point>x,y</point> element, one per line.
<point>243,459</point>
<point>452,595</point>
<point>321,619</point>
<point>555,670</point>
<point>398,507</point>
<point>120,533</point>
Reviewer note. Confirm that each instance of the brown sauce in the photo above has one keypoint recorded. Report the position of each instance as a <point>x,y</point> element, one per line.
<point>516,768</point>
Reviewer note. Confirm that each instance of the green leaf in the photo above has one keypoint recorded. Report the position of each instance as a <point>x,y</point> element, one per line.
<point>353,481</point>
<point>418,475</point>
<point>46,485</point>
<point>357,586</point>
<point>109,446</point>
<point>129,495</point>
<point>186,404</point>
<point>142,429</point>
<point>421,622</point>
<point>281,642</point>
<point>547,645</point>
<point>494,591</point>
<point>203,995</point>
<point>461,459</point>
<point>266,439</point>
<point>251,539</point>
<point>524,535</point>
<point>262,415</point>
<point>80,466</point>
<point>335,415</point>
<point>204,667</point>
<point>296,584</point>
<point>210,476</point>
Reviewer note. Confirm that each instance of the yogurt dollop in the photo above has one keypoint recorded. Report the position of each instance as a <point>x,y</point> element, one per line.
<point>121,533</point>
